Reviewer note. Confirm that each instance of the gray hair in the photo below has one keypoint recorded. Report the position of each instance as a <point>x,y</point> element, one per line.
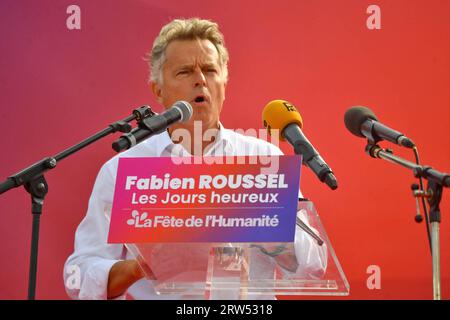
<point>186,29</point>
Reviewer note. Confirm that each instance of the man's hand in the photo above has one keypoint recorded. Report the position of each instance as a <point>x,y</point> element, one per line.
<point>122,275</point>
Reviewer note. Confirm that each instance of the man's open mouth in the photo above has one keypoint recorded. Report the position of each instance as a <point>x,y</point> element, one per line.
<point>200,99</point>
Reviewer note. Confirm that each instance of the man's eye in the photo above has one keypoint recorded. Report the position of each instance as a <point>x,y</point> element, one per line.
<point>182,72</point>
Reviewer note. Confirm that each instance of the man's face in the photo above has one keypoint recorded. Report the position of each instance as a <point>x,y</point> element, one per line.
<point>192,72</point>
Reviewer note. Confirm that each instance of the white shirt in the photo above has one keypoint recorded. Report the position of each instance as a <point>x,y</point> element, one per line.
<point>93,257</point>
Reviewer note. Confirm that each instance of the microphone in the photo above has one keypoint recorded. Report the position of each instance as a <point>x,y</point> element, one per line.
<point>362,122</point>
<point>282,116</point>
<point>181,111</point>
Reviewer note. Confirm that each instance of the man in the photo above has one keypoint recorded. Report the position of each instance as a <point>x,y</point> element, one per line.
<point>188,62</point>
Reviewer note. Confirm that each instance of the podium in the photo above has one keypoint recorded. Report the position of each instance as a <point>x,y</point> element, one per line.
<point>308,266</point>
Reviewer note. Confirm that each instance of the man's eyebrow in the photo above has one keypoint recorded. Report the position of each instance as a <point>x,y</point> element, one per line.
<point>210,64</point>
<point>184,66</point>
<point>202,65</point>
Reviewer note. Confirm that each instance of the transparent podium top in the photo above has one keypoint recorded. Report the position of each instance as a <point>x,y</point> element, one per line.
<point>307,266</point>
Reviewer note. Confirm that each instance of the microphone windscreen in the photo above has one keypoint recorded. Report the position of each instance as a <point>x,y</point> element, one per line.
<point>185,108</point>
<point>278,114</point>
<point>355,117</point>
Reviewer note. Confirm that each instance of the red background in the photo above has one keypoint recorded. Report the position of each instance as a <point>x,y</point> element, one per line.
<point>59,86</point>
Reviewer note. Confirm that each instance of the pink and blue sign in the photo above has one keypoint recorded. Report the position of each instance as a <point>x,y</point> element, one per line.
<point>170,200</point>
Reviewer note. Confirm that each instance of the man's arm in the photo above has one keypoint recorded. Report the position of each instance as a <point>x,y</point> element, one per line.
<point>102,268</point>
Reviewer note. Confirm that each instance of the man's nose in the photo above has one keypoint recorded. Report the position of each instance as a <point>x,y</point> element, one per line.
<point>200,79</point>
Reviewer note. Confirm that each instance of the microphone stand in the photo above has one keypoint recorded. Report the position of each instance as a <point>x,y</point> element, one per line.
<point>436,182</point>
<point>33,180</point>
<point>307,229</point>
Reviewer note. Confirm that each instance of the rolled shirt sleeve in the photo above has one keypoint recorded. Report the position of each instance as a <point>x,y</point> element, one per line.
<point>93,257</point>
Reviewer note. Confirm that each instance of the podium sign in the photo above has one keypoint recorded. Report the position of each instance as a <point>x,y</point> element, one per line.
<point>204,200</point>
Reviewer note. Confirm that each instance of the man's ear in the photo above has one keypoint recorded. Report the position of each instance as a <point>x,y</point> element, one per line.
<point>157,90</point>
